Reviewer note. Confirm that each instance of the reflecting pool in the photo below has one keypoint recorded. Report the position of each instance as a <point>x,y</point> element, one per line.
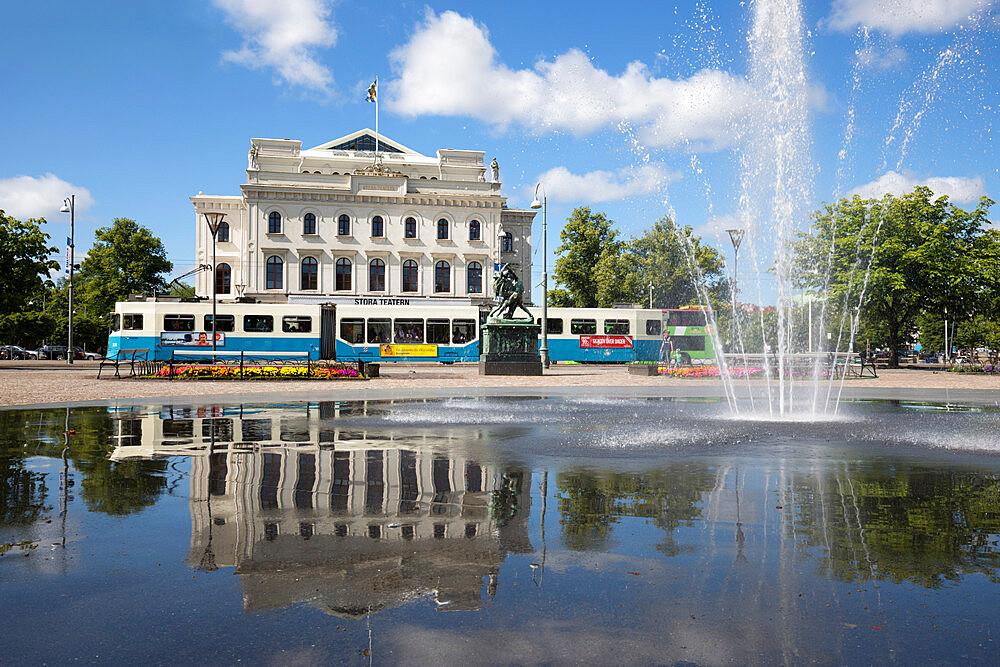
<point>512,530</point>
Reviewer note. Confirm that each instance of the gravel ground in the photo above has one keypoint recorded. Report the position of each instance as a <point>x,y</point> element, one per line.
<point>44,382</point>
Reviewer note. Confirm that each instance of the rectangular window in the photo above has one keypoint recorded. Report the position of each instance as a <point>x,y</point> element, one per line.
<point>685,318</point>
<point>379,331</point>
<point>131,321</point>
<point>352,330</point>
<point>255,430</point>
<point>689,343</point>
<point>582,327</point>
<point>116,321</point>
<point>616,327</point>
<point>269,481</point>
<point>652,327</point>
<point>409,331</point>
<point>296,324</point>
<point>463,331</point>
<point>225,323</point>
<point>555,325</point>
<point>258,323</point>
<point>178,322</point>
<point>437,332</point>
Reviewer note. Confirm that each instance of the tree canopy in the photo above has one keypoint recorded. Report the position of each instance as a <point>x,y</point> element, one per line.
<point>901,257</point>
<point>24,262</point>
<point>597,269</point>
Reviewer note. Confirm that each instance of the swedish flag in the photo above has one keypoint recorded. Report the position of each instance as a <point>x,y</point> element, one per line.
<point>373,91</point>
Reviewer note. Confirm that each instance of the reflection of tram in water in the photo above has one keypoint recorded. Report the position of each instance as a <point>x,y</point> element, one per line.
<point>307,508</point>
<point>170,329</point>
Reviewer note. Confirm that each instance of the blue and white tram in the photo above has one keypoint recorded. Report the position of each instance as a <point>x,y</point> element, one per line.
<point>603,335</point>
<point>342,332</point>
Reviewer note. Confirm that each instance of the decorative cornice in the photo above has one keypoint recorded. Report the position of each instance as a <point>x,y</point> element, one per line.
<point>256,192</point>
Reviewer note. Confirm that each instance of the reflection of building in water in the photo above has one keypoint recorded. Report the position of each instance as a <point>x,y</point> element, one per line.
<point>348,520</point>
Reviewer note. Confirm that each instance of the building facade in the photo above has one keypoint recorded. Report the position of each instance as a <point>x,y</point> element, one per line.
<point>341,221</point>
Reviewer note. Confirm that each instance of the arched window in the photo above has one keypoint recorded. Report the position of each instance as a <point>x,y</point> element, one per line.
<point>442,228</point>
<point>310,273</point>
<point>222,232</point>
<point>376,275</point>
<point>411,276</point>
<point>309,223</point>
<point>442,277</point>
<point>344,225</point>
<point>410,228</point>
<point>475,232</point>
<point>275,269</point>
<point>378,226</point>
<point>507,242</point>
<point>223,278</point>
<point>273,222</point>
<point>343,274</point>
<point>474,278</point>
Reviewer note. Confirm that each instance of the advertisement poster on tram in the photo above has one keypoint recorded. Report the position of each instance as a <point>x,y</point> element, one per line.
<point>408,350</point>
<point>192,339</point>
<point>605,341</point>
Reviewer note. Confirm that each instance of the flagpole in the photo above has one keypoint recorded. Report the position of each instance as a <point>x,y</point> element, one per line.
<point>376,119</point>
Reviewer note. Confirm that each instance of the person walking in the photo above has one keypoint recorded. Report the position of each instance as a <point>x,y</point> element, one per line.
<point>667,349</point>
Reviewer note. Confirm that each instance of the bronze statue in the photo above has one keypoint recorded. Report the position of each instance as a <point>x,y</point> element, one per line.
<point>509,291</point>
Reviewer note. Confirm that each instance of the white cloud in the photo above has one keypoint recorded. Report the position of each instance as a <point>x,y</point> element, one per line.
<point>450,67</point>
<point>26,197</point>
<point>714,229</point>
<point>958,188</point>
<point>897,17</point>
<point>280,34</point>
<point>596,186</point>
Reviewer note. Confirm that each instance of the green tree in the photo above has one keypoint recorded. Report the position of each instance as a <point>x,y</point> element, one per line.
<point>924,255</point>
<point>661,257</point>
<point>585,237</point>
<point>24,259</point>
<point>27,328</point>
<point>126,259</point>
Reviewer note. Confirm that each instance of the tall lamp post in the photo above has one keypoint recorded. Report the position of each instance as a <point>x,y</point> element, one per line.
<point>69,206</point>
<point>544,205</point>
<point>214,219</point>
<point>736,236</point>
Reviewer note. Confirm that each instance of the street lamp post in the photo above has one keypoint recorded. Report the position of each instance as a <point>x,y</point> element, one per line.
<point>69,206</point>
<point>736,236</point>
<point>544,205</point>
<point>214,219</point>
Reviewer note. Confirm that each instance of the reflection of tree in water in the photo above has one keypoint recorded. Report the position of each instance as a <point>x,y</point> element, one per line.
<point>592,502</point>
<point>22,493</point>
<point>113,488</point>
<point>891,523</point>
<point>504,502</point>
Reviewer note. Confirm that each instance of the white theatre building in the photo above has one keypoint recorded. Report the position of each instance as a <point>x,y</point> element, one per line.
<point>339,223</point>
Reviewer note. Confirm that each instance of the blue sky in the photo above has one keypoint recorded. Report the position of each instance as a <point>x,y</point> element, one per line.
<point>137,106</point>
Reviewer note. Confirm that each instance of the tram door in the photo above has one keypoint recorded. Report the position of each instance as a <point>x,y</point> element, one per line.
<point>328,333</point>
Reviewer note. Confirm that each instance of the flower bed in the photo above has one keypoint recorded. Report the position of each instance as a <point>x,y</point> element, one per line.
<point>707,372</point>
<point>198,371</point>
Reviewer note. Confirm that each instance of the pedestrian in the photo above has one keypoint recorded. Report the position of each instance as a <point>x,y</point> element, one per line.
<point>666,348</point>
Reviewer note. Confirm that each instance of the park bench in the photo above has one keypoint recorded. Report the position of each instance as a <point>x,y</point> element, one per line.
<point>134,357</point>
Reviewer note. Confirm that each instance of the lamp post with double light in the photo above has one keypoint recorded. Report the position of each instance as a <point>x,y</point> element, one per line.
<point>214,219</point>
<point>69,206</point>
<point>544,205</point>
<point>736,236</point>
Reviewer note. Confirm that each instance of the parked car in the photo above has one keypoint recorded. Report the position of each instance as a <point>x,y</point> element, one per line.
<point>16,352</point>
<point>58,352</point>
<point>91,356</point>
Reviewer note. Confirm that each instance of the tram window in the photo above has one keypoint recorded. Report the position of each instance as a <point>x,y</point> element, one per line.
<point>352,329</point>
<point>689,343</point>
<point>462,331</point>
<point>258,323</point>
<point>652,327</point>
<point>555,325</point>
<point>577,327</point>
<point>296,324</point>
<point>437,332</point>
<point>616,327</point>
<point>116,321</point>
<point>178,322</point>
<point>685,318</point>
<point>178,428</point>
<point>225,323</point>
<point>131,321</point>
<point>379,331</point>
<point>409,331</point>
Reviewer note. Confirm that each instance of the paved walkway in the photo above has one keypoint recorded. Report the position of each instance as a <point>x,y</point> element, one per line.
<point>24,383</point>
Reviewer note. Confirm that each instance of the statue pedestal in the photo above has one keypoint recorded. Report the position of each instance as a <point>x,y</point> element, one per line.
<point>510,347</point>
